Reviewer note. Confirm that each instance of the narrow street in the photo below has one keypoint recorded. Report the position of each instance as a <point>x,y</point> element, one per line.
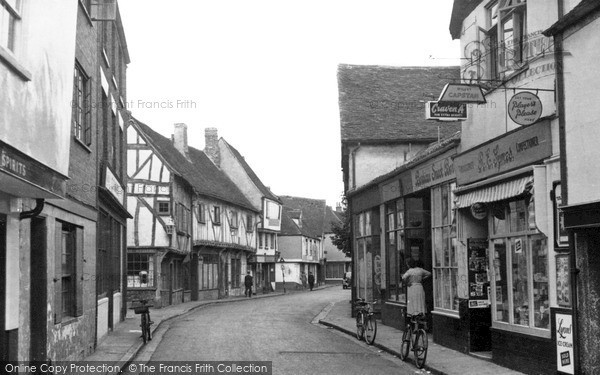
<point>281,329</point>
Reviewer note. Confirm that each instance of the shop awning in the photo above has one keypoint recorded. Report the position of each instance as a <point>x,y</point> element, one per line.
<point>466,196</point>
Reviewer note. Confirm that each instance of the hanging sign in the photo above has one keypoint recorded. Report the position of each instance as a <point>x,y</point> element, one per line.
<point>461,93</point>
<point>525,108</point>
<point>479,211</point>
<point>445,111</point>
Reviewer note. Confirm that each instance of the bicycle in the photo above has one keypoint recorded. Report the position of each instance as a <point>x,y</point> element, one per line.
<point>145,321</point>
<point>366,325</point>
<point>415,338</point>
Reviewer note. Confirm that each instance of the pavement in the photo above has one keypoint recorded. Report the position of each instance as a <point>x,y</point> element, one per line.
<point>119,347</point>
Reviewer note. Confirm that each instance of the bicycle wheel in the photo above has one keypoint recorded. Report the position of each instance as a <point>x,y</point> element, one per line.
<point>148,327</point>
<point>370,329</point>
<point>420,348</point>
<point>144,325</point>
<point>360,325</point>
<point>405,347</point>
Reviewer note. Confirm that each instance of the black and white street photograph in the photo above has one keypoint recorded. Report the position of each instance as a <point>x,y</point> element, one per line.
<point>277,187</point>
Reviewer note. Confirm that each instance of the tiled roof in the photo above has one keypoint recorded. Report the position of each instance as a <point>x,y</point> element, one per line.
<point>267,193</point>
<point>387,104</point>
<point>316,220</point>
<point>422,156</point>
<point>202,175</point>
<point>460,10</point>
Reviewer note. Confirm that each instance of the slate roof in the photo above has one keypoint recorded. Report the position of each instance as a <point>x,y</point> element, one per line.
<point>316,216</point>
<point>387,103</point>
<point>263,189</point>
<point>584,9</point>
<point>200,172</point>
<point>460,10</point>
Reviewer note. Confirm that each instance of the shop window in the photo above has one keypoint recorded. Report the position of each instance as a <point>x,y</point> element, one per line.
<point>395,250</point>
<point>519,285</point>
<point>209,272</point>
<point>445,265</point>
<point>140,270</point>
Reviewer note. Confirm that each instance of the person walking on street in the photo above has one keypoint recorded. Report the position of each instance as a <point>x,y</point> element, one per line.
<point>311,280</point>
<point>416,294</point>
<point>248,284</point>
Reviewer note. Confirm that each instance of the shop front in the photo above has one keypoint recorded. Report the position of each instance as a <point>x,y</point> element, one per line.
<point>506,250</point>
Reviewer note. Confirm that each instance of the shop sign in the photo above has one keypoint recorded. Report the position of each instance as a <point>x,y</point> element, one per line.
<point>462,93</point>
<point>433,173</point>
<point>112,184</point>
<point>479,281</point>
<point>518,148</point>
<point>562,331</point>
<point>391,190</point>
<point>21,166</point>
<point>479,211</point>
<point>524,108</point>
<point>445,111</point>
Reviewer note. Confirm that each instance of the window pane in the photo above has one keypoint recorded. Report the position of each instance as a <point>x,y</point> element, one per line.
<point>438,247</point>
<point>520,281</point>
<point>446,288</point>
<point>437,207</point>
<point>499,218</point>
<point>454,290</point>
<point>444,205</point>
<point>501,284</point>
<point>438,287</point>
<point>518,216</point>
<point>539,254</point>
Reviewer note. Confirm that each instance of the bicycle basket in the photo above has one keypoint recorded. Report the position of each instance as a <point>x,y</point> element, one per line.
<point>140,309</point>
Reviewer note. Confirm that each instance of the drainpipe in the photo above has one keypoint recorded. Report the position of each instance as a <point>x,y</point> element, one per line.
<point>560,98</point>
<point>39,206</point>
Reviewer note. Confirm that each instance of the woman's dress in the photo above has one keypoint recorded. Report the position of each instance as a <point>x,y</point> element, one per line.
<point>416,294</point>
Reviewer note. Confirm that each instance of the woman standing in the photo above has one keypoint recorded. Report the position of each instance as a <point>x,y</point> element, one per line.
<point>416,294</point>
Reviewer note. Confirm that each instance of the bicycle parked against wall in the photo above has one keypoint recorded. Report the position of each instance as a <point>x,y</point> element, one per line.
<point>415,338</point>
<point>145,322</point>
<point>366,325</point>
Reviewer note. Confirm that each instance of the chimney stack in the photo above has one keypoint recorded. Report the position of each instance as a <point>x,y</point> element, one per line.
<point>180,139</point>
<point>211,145</point>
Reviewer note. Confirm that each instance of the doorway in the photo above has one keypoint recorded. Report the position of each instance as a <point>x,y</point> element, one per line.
<point>38,291</point>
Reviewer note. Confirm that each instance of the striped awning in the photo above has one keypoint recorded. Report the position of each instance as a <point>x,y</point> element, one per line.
<point>467,196</point>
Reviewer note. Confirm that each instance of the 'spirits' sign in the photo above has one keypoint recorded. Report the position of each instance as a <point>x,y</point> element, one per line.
<point>515,149</point>
<point>433,173</point>
<point>524,108</point>
<point>449,111</point>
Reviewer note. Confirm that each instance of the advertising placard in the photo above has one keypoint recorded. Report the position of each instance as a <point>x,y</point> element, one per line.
<point>445,111</point>
<point>524,108</point>
<point>562,332</point>
<point>479,281</point>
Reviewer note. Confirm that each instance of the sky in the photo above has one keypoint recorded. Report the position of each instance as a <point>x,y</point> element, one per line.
<point>264,73</point>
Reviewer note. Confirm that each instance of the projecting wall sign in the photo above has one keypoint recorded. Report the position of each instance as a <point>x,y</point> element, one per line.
<point>524,108</point>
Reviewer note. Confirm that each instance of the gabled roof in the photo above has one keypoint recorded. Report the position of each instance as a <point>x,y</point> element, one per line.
<point>267,193</point>
<point>315,214</point>
<point>200,173</point>
<point>460,10</point>
<point>387,103</point>
<point>584,9</point>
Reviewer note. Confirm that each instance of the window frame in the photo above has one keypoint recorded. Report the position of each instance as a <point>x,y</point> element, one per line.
<point>68,286</point>
<point>448,264</point>
<point>13,9</point>
<point>517,13</point>
<point>81,116</point>
<point>161,212</point>
<point>201,213</point>
<point>506,237</point>
<point>137,265</point>
<point>216,215</point>
<point>249,223</point>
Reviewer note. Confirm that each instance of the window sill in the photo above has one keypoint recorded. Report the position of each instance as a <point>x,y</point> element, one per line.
<point>10,60</point>
<point>83,145</point>
<point>141,288</point>
<point>68,320</point>
<point>538,332</point>
<point>446,313</point>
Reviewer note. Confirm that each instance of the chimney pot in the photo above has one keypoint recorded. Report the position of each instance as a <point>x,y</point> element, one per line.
<point>180,138</point>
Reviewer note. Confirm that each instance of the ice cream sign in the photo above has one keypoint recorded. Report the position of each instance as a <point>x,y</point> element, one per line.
<point>525,108</point>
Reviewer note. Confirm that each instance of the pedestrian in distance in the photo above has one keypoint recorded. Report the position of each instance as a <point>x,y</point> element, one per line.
<point>413,278</point>
<point>311,280</point>
<point>248,284</point>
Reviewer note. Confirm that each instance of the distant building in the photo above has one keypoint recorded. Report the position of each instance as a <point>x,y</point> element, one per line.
<point>304,231</point>
<point>233,164</point>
